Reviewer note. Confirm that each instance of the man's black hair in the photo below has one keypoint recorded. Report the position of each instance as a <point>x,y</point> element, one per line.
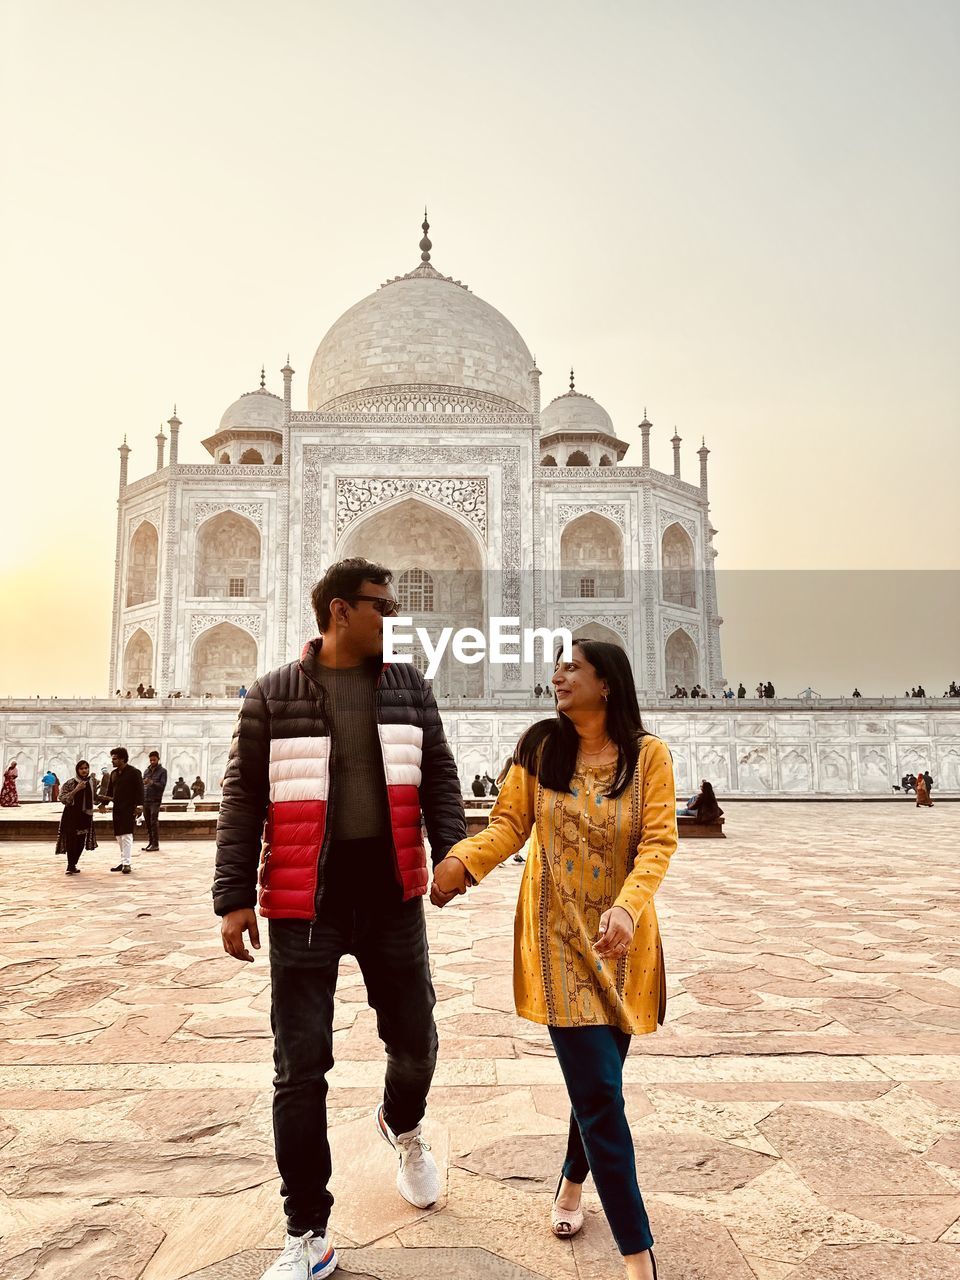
<point>343,580</point>
<point>122,752</point>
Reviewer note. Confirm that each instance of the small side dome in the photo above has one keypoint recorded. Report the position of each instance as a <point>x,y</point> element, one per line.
<point>574,411</point>
<point>258,410</point>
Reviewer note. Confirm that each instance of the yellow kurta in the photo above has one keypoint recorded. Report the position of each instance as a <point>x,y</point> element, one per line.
<point>587,853</point>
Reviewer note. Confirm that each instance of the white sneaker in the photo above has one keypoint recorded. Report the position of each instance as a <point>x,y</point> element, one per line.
<point>307,1257</point>
<point>417,1178</point>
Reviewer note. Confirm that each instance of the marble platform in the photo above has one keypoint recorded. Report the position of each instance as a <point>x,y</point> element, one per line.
<point>797,1117</point>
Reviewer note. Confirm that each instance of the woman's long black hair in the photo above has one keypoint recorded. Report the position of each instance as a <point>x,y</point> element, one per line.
<point>549,747</point>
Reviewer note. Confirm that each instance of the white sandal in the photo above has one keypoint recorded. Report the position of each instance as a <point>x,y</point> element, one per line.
<point>565,1223</point>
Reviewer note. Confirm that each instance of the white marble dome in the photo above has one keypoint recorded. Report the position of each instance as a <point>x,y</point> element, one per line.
<point>574,411</point>
<point>258,410</point>
<point>422,328</point>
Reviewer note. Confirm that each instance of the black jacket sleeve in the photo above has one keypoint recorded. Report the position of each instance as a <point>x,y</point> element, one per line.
<point>243,807</point>
<point>440,795</point>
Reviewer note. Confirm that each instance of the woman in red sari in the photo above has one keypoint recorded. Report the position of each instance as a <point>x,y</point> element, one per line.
<point>8,792</point>
<point>923,793</point>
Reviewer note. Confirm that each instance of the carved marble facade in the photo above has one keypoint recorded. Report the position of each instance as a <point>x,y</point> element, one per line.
<point>423,445</point>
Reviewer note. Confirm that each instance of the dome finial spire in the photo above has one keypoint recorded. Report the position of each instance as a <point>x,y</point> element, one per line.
<point>263,377</point>
<point>572,387</point>
<point>425,245</point>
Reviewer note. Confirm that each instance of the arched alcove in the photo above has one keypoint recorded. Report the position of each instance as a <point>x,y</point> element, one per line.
<point>606,460</point>
<point>251,458</point>
<point>138,661</point>
<point>225,457</point>
<point>681,661</point>
<point>548,461</point>
<point>142,565</point>
<point>423,544</point>
<point>224,658</point>
<point>678,564</point>
<point>597,631</point>
<point>415,591</point>
<point>278,460</point>
<point>578,459</point>
<point>591,558</point>
<point>227,558</point>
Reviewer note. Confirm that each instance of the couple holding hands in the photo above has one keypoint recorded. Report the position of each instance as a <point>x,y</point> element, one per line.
<point>340,754</point>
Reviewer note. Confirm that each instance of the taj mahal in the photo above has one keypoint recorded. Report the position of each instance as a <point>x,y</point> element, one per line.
<point>424,447</point>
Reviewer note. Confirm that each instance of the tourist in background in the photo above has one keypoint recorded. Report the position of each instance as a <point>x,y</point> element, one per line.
<point>197,788</point>
<point>703,805</point>
<point>741,690</point>
<point>477,786</point>
<point>928,779</point>
<point>491,786</point>
<point>180,790</point>
<point>125,793</point>
<point>924,799</point>
<point>8,792</point>
<point>595,791</point>
<point>75,833</point>
<point>154,785</point>
<point>47,782</point>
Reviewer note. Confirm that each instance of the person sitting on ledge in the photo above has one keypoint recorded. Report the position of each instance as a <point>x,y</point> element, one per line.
<point>703,806</point>
<point>197,788</point>
<point>180,790</point>
<point>856,693</point>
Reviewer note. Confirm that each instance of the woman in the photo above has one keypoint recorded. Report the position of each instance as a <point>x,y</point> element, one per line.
<point>703,806</point>
<point>8,792</point>
<point>76,825</point>
<point>923,792</point>
<point>596,792</point>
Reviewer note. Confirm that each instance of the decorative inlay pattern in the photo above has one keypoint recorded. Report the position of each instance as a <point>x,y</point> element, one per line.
<point>466,497</point>
<point>149,625</point>
<point>669,625</point>
<point>421,399</point>
<point>567,511</point>
<point>618,622</point>
<point>153,516</point>
<point>673,517</point>
<point>200,622</point>
<point>253,511</point>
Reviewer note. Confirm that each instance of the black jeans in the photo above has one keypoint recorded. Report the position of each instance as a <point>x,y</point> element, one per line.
<point>599,1141</point>
<point>390,944</point>
<point>151,818</point>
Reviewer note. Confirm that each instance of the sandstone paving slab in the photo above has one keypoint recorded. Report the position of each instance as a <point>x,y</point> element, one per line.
<point>874,1262</point>
<point>839,1155</point>
<point>945,1097</point>
<point>687,1246</point>
<point>71,997</point>
<point>431,1264</point>
<point>367,1204</point>
<point>177,1114</point>
<point>111,1245</point>
<point>133,1168</point>
<point>914,1217</point>
<point>480,1210</point>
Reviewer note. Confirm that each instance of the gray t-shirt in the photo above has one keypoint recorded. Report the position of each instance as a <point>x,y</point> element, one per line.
<point>358,789</point>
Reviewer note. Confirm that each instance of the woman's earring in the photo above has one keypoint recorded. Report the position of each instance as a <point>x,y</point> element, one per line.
<point>605,695</point>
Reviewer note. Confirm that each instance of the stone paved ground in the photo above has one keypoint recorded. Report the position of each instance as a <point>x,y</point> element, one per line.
<point>798,1116</point>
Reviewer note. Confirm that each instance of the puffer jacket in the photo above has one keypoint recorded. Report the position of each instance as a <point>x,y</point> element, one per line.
<point>274,810</point>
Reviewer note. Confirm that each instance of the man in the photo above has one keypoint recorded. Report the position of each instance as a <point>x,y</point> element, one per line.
<point>242,691</point>
<point>125,793</point>
<point>741,691</point>
<point>180,790</point>
<point>154,785</point>
<point>197,788</point>
<point>48,781</point>
<point>340,754</point>
<point>477,786</point>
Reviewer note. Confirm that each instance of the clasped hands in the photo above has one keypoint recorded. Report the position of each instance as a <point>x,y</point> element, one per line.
<point>449,880</point>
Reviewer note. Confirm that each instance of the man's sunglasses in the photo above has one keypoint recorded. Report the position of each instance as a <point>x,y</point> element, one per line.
<point>385,608</point>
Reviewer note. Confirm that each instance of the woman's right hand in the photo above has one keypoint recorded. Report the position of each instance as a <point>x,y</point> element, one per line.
<point>449,880</point>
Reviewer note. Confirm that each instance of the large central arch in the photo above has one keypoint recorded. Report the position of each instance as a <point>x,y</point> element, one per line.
<point>421,542</point>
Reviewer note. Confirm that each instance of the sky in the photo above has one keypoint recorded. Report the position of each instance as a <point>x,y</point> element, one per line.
<point>741,217</point>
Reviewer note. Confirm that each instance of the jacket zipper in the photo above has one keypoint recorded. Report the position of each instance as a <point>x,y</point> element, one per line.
<point>327,827</point>
<point>383,757</point>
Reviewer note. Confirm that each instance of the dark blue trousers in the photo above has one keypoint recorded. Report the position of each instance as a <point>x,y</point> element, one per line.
<point>600,1142</point>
